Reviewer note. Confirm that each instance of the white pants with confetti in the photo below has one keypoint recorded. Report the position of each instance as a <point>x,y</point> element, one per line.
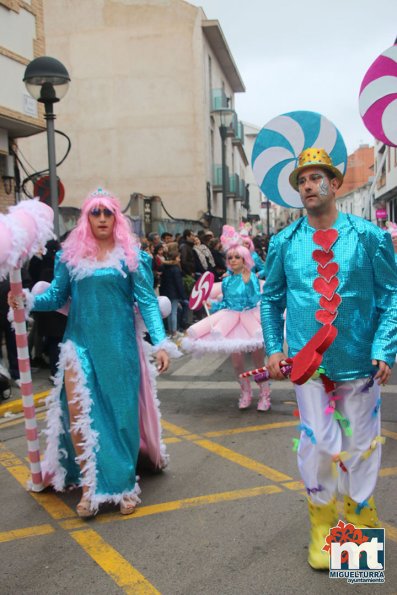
<point>340,450</point>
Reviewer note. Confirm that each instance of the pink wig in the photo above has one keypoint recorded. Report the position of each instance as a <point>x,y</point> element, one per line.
<point>244,253</point>
<point>81,242</point>
<point>246,238</point>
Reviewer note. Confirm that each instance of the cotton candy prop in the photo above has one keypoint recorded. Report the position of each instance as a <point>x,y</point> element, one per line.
<point>24,232</point>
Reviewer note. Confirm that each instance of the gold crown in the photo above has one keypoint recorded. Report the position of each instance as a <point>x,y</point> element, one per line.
<point>313,157</point>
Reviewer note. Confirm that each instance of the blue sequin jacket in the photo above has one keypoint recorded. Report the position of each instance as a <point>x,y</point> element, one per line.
<point>367,315</point>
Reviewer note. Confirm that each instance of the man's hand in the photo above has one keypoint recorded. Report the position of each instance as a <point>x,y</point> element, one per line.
<point>163,361</point>
<point>273,365</point>
<point>384,372</point>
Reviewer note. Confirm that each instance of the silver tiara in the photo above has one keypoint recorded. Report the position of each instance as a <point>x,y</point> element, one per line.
<point>99,193</point>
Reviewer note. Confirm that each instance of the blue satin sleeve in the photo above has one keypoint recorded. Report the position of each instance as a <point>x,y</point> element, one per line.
<point>273,301</point>
<point>58,292</point>
<point>384,345</point>
<point>147,299</point>
<point>259,265</point>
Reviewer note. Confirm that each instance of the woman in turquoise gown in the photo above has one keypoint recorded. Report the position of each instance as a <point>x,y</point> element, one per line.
<point>92,422</point>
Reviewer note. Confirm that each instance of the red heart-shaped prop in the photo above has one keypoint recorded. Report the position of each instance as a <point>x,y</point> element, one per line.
<point>325,238</point>
<point>322,257</point>
<point>326,288</point>
<point>332,304</point>
<point>329,271</point>
<point>325,317</point>
<point>308,359</point>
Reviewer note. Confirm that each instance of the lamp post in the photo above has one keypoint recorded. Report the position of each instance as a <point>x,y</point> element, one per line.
<point>226,117</point>
<point>47,81</point>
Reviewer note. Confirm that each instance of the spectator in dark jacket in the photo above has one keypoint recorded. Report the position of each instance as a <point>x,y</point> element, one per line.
<point>171,285</point>
<point>188,264</point>
<point>219,258</point>
<point>50,325</point>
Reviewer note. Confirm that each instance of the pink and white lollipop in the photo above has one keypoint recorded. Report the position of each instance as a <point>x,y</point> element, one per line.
<point>378,97</point>
<point>201,290</point>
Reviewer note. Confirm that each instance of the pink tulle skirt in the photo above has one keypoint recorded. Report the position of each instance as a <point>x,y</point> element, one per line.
<point>226,331</point>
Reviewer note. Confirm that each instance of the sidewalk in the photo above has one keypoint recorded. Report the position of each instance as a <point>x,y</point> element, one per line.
<point>41,388</point>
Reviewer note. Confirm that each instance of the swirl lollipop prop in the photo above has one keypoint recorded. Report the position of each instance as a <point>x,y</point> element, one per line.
<point>378,97</point>
<point>200,292</point>
<point>279,144</point>
<point>24,232</point>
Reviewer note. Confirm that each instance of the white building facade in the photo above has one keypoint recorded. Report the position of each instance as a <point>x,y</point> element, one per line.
<point>21,40</point>
<point>146,81</point>
<point>385,186</point>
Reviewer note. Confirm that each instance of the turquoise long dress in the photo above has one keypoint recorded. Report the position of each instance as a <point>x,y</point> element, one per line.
<point>100,347</point>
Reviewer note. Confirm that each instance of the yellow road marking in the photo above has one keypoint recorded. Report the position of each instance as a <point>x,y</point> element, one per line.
<point>386,471</point>
<point>243,461</point>
<point>389,434</point>
<point>173,428</point>
<point>117,567</point>
<point>53,505</point>
<point>188,503</point>
<point>171,440</point>
<point>294,485</point>
<point>284,424</point>
<point>27,532</point>
<point>228,454</point>
<point>15,406</point>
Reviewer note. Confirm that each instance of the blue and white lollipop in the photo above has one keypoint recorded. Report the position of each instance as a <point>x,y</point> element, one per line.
<point>277,148</point>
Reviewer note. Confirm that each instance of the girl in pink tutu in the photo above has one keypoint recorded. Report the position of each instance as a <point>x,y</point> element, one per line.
<point>234,324</point>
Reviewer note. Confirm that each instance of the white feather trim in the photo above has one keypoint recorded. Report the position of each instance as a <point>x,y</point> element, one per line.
<point>87,266</point>
<point>221,345</point>
<point>169,347</point>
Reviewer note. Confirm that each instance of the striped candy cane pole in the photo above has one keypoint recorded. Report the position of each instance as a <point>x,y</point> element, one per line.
<point>26,385</point>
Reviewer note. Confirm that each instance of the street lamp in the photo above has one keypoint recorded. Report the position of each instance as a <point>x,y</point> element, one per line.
<point>47,81</point>
<point>226,117</point>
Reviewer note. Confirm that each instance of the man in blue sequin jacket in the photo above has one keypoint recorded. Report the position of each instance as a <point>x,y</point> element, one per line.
<point>331,267</point>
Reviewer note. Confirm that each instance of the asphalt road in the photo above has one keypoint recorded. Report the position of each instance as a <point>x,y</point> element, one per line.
<point>227,517</point>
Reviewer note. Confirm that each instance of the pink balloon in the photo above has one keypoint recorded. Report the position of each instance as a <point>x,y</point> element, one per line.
<point>5,243</point>
<point>41,287</point>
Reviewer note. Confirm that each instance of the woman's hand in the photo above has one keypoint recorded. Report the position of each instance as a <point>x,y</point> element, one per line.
<point>163,361</point>
<point>16,301</point>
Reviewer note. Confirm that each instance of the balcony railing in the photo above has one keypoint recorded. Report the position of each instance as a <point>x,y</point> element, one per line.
<point>219,99</point>
<point>217,178</point>
<point>239,133</point>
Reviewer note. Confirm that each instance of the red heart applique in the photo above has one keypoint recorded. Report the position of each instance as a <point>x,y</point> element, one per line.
<point>329,271</point>
<point>322,257</point>
<point>332,304</point>
<point>325,238</point>
<point>326,288</point>
<point>325,317</point>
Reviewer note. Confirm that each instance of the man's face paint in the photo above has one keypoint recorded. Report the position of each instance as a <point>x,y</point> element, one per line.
<point>323,187</point>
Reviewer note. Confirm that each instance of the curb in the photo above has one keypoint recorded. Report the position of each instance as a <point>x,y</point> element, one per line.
<point>16,406</point>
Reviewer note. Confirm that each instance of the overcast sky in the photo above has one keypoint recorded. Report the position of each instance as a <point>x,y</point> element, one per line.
<point>312,58</point>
